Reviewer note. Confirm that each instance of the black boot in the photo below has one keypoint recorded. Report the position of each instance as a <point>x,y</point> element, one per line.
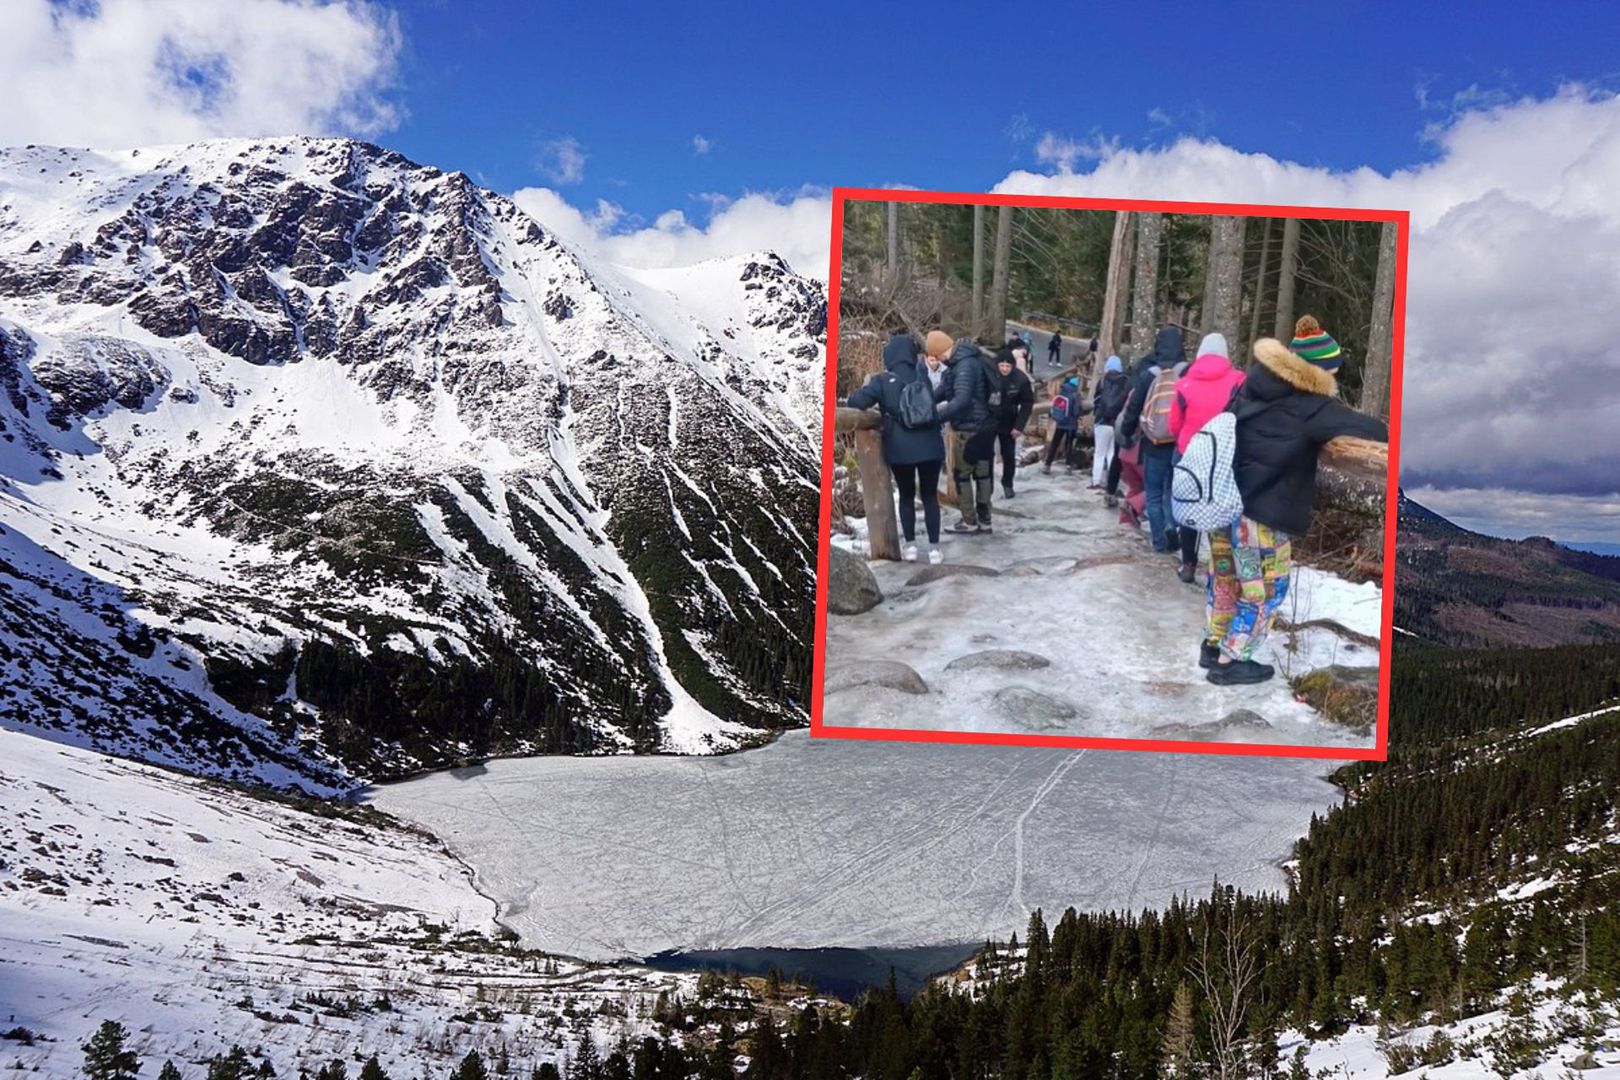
<point>1239,673</point>
<point>1209,654</point>
<point>1007,490</point>
<point>1187,572</point>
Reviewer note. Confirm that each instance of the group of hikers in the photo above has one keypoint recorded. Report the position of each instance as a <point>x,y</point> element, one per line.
<point>1240,493</point>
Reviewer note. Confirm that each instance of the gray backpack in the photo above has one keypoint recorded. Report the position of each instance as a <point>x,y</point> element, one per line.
<point>917,410</point>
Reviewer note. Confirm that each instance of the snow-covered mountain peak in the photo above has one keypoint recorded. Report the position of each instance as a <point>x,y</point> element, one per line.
<point>409,478</point>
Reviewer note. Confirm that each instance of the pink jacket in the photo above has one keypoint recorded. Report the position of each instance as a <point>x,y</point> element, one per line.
<point>1201,393</point>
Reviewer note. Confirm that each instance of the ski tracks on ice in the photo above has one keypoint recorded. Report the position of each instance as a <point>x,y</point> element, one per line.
<point>1016,897</point>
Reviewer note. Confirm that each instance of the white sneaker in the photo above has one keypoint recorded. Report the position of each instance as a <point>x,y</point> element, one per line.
<point>909,553</point>
<point>935,556</point>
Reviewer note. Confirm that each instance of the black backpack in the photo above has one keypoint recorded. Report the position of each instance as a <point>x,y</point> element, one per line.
<point>917,410</point>
<point>1111,401</point>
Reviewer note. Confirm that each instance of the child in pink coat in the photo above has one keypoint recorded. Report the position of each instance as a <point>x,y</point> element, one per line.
<point>1201,393</point>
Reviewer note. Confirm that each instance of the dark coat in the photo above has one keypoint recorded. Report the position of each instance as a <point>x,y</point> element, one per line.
<point>1286,410</point>
<point>901,445</point>
<point>1166,354</point>
<point>1109,401</point>
<point>971,380</point>
<point>1017,401</point>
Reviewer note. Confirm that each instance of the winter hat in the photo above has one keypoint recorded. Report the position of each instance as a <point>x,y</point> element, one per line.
<point>1071,383</point>
<point>1314,345</point>
<point>1114,364</point>
<point>1213,345</point>
<point>937,343</point>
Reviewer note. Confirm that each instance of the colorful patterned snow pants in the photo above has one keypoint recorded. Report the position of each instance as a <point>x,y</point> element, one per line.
<point>1248,582</point>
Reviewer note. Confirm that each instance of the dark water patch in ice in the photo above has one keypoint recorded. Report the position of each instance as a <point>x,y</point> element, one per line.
<point>843,973</point>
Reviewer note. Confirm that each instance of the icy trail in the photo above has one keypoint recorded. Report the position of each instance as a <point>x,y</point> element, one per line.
<point>1074,586</point>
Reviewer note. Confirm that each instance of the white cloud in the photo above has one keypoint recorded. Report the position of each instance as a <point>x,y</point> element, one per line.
<point>123,73</point>
<point>1518,514</point>
<point>1063,152</point>
<point>563,160</point>
<point>700,145</point>
<point>796,227</point>
<point>1158,117</point>
<point>1513,341</point>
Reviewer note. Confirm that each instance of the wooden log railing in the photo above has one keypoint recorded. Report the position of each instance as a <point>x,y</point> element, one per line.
<point>877,486</point>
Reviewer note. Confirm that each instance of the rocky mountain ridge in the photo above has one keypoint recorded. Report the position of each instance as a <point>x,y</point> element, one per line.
<point>1459,587</point>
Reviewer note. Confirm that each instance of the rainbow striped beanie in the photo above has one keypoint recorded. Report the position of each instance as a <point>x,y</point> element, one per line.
<point>1314,345</point>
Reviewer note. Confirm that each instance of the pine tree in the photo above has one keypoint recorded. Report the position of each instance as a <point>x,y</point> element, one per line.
<point>105,1056</point>
<point>767,1058</point>
<point>372,1069</point>
<point>232,1066</point>
<point>586,1064</point>
<point>1180,1047</point>
<point>169,1071</point>
<point>471,1068</point>
<point>333,1070</point>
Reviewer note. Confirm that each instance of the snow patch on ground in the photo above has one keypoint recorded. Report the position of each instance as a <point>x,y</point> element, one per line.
<point>199,916</point>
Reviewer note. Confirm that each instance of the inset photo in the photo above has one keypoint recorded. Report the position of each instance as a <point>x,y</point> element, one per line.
<point>1110,473</point>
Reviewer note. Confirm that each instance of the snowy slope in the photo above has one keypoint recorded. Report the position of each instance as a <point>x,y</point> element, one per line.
<point>199,917</point>
<point>351,464</point>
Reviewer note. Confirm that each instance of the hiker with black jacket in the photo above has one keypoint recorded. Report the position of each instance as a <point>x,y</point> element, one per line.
<point>1107,403</point>
<point>1012,416</point>
<point>914,454</point>
<point>1286,410</point>
<point>970,397</point>
<point>1154,394</point>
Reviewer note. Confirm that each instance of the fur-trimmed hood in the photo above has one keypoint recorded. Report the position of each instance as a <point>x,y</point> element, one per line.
<point>1300,374</point>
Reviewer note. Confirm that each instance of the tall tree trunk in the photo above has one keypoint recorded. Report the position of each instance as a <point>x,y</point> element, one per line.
<point>996,317</point>
<point>1375,375</point>
<point>892,268</point>
<point>1145,298</point>
<point>1284,329</point>
<point>1108,330</point>
<point>1259,290</point>
<point>978,271</point>
<point>1224,290</point>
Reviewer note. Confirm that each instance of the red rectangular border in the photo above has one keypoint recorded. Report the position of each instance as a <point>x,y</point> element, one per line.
<point>1379,751</point>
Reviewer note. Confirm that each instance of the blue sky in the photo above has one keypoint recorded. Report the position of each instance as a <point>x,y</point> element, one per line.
<point>944,96</point>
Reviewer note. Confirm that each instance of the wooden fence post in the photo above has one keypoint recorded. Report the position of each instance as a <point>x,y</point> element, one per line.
<point>877,486</point>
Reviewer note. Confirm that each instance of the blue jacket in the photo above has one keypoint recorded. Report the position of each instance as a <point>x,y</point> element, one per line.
<point>1069,392</point>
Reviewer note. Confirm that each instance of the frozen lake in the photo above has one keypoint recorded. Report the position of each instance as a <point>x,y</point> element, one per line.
<point>829,842</point>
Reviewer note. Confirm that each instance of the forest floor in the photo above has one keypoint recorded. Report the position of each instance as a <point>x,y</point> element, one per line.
<point>1065,622</point>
